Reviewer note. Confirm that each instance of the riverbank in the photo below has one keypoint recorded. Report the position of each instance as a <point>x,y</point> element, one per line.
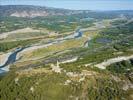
<point>4,58</point>
<point>7,59</point>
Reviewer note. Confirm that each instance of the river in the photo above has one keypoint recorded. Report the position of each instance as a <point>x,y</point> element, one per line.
<point>11,59</point>
<point>13,56</point>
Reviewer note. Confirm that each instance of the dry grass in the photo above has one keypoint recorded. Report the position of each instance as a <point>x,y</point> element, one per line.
<point>42,52</point>
<point>33,72</point>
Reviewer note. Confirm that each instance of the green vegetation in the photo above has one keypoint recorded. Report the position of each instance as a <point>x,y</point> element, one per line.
<point>121,67</point>
<point>8,24</point>
<point>58,24</point>
<point>56,48</point>
<point>119,22</point>
<point>36,78</point>
<point>48,87</point>
<point>51,86</point>
<point>4,46</point>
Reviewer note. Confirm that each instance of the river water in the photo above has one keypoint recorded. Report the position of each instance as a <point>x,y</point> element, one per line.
<point>11,59</point>
<point>13,56</point>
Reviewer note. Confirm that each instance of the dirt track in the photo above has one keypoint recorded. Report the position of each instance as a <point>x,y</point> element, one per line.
<point>104,64</point>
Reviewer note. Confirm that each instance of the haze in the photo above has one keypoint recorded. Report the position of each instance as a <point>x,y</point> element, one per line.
<point>76,4</point>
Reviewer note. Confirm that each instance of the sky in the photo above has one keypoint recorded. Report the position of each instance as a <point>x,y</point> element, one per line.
<point>76,4</point>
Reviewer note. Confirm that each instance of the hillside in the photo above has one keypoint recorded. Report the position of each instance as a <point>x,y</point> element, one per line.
<point>30,11</point>
<point>59,54</point>
<point>36,11</point>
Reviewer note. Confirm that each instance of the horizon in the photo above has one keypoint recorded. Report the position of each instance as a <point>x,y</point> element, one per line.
<point>101,5</point>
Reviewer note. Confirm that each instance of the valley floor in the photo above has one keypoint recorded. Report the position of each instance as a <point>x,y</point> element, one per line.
<point>97,65</point>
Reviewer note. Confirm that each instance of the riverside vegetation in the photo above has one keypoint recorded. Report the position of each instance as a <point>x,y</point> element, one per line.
<point>40,74</point>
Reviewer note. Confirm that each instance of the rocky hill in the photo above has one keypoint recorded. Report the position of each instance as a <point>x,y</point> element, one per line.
<point>30,11</point>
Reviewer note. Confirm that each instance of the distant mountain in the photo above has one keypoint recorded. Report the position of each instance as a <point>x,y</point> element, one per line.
<point>31,11</point>
<point>39,11</point>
